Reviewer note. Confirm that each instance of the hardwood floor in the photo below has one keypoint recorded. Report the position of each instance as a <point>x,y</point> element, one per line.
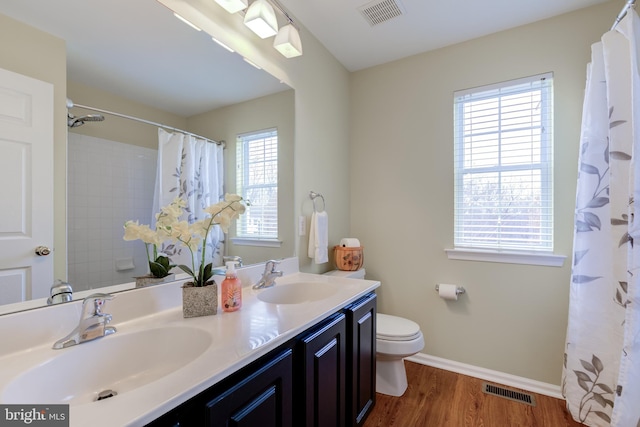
<point>439,398</point>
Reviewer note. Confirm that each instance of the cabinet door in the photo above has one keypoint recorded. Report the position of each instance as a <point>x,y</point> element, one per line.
<point>324,369</point>
<point>264,398</point>
<point>361,373</point>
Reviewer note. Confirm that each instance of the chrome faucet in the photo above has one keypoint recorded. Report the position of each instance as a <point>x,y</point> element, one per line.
<point>93,322</point>
<point>60,292</point>
<point>269,275</point>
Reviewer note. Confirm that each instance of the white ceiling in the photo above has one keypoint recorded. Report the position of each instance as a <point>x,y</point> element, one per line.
<point>137,49</point>
<point>425,24</point>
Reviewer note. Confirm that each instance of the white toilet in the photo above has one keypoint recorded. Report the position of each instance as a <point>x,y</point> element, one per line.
<point>396,338</point>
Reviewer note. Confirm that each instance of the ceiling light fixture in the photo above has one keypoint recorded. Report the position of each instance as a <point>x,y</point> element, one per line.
<point>287,42</point>
<point>261,19</point>
<point>186,22</point>
<point>233,6</point>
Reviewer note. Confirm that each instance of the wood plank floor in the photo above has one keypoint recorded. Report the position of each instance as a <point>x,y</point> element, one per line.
<point>439,398</point>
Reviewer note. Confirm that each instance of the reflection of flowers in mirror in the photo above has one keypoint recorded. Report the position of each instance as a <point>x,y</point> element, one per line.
<point>160,266</point>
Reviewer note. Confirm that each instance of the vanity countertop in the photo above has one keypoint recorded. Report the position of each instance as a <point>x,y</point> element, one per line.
<point>238,338</point>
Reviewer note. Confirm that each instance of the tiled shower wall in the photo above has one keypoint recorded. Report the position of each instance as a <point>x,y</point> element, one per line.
<point>108,184</point>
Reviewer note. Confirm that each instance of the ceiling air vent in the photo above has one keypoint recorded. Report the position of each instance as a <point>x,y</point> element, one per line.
<point>506,393</point>
<point>377,12</point>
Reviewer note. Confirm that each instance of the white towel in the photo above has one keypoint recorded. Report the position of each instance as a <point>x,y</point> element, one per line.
<point>319,237</point>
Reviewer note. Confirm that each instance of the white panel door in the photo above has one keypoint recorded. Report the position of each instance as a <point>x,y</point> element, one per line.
<point>26,187</point>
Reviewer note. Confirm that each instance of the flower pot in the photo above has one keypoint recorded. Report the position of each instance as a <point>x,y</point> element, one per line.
<point>199,301</point>
<point>142,281</point>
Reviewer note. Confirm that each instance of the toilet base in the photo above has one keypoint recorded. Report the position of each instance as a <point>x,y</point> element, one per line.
<point>391,376</point>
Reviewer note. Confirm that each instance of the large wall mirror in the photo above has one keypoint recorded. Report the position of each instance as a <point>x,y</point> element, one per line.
<point>137,60</point>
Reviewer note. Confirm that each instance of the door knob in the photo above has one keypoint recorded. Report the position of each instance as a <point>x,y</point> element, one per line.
<point>42,251</point>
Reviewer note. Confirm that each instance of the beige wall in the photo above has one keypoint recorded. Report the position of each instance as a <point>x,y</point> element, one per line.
<point>117,128</point>
<point>321,84</point>
<point>273,111</point>
<point>513,317</point>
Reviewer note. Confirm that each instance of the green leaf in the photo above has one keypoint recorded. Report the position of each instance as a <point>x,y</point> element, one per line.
<point>165,262</point>
<point>207,273</point>
<point>158,270</point>
<point>187,270</point>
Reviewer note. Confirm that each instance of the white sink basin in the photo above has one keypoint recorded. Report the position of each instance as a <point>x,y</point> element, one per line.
<point>297,293</point>
<point>78,374</point>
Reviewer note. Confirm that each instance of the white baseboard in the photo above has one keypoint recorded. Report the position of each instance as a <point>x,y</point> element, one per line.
<point>488,375</point>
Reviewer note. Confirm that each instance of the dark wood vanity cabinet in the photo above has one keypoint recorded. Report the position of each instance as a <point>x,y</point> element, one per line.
<point>361,370</point>
<point>324,377</point>
<point>322,365</point>
<point>264,398</point>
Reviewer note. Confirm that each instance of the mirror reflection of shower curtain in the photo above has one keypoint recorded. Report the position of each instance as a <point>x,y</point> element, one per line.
<point>601,376</point>
<point>192,169</point>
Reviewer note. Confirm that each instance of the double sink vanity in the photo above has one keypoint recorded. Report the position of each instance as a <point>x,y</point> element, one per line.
<point>299,353</point>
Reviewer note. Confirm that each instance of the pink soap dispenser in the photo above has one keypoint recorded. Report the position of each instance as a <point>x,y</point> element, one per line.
<point>231,289</point>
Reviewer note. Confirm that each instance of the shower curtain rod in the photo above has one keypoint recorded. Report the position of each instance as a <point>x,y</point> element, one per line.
<point>148,122</point>
<point>623,12</point>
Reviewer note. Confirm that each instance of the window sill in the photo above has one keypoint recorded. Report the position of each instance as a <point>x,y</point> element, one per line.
<point>529,258</point>
<point>265,243</point>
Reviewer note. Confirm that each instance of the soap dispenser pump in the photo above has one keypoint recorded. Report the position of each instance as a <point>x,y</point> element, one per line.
<point>231,289</point>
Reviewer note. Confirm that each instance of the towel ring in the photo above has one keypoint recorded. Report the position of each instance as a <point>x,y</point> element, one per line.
<point>313,195</point>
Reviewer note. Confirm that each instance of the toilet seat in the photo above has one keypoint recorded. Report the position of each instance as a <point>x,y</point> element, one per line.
<point>393,328</point>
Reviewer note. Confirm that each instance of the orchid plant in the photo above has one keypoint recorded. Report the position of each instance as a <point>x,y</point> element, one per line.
<point>160,266</point>
<point>194,236</point>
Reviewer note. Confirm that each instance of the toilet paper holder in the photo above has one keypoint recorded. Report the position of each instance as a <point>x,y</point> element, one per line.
<point>459,290</point>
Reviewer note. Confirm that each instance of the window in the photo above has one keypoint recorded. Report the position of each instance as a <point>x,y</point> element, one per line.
<point>257,181</point>
<point>503,166</point>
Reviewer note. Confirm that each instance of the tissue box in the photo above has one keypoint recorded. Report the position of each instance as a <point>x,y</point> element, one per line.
<point>348,258</point>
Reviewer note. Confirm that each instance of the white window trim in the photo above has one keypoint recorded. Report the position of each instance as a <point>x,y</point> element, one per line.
<point>507,257</point>
<point>248,240</point>
<point>265,243</point>
<point>494,254</point>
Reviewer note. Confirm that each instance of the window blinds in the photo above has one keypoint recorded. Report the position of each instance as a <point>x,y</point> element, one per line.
<point>503,165</point>
<point>257,181</point>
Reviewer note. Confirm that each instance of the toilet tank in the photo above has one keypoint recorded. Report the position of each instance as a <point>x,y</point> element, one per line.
<point>358,274</point>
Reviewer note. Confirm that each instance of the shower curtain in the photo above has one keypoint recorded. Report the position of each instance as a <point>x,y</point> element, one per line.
<point>601,376</point>
<point>190,168</point>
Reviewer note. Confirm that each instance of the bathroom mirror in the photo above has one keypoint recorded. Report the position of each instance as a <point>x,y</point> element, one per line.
<point>91,83</point>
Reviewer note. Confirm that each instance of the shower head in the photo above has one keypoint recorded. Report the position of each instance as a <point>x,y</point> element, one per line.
<point>74,122</point>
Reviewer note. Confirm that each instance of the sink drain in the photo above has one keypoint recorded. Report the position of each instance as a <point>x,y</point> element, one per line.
<point>106,394</point>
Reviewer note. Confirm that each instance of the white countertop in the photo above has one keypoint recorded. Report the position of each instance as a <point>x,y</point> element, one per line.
<point>238,339</point>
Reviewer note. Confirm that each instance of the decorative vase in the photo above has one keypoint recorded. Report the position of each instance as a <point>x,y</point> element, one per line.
<point>348,258</point>
<point>142,281</point>
<point>199,301</point>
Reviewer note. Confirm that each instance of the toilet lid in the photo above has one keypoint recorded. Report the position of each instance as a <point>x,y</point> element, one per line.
<point>393,328</point>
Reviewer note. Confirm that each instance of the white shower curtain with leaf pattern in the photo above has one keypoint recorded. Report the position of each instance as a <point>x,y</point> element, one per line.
<point>190,168</point>
<point>601,376</point>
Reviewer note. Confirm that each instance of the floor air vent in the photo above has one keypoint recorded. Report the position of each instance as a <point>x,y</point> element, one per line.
<point>516,396</point>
